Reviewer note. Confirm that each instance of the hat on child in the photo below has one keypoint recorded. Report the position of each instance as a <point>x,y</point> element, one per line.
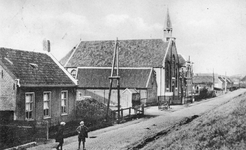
<point>81,122</point>
<point>62,123</point>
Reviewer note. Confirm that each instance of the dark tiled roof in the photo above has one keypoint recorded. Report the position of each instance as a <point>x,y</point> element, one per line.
<point>132,53</point>
<point>202,79</point>
<point>33,68</point>
<point>243,79</point>
<point>99,78</point>
<point>65,58</point>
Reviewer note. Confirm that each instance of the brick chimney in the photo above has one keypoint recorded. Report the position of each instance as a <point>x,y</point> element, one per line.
<point>46,45</point>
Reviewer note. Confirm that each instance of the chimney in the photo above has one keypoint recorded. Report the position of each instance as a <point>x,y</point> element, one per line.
<point>46,45</point>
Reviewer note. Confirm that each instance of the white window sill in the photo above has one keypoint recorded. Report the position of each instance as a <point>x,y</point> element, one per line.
<point>29,119</point>
<point>47,117</point>
<point>64,114</point>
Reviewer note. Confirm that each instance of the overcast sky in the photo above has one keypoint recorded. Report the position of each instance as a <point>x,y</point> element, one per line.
<point>211,32</point>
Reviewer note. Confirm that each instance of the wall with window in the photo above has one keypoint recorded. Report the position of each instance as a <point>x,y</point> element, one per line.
<point>172,80</point>
<point>172,70</point>
<point>7,91</point>
<point>51,104</point>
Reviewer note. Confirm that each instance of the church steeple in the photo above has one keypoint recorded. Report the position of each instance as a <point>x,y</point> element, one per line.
<point>167,27</point>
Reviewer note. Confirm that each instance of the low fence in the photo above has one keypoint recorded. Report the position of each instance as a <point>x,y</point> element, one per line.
<point>129,112</point>
<point>20,132</point>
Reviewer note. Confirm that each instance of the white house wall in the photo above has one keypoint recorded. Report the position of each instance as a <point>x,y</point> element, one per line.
<point>160,79</point>
<point>7,91</point>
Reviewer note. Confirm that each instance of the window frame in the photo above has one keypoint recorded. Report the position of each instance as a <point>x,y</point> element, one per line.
<point>33,106</point>
<point>49,105</point>
<point>66,103</point>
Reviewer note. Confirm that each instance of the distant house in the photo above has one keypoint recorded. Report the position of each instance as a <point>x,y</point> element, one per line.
<point>159,54</point>
<point>242,82</point>
<point>227,83</point>
<point>35,87</point>
<point>203,81</point>
<point>212,82</point>
<point>94,82</point>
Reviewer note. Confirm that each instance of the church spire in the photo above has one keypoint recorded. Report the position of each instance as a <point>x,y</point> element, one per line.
<point>167,27</point>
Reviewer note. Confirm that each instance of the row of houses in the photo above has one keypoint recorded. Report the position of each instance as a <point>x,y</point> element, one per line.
<point>212,82</point>
<point>36,87</point>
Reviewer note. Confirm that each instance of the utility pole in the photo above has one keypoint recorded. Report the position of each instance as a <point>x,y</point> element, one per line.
<point>213,78</point>
<point>111,78</point>
<point>190,74</point>
<point>225,83</point>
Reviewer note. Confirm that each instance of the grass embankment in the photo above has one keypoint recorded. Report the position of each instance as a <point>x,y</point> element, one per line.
<point>221,128</point>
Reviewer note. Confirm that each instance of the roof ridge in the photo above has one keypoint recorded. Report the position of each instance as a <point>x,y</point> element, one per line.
<point>5,48</point>
<point>119,40</point>
<point>62,68</point>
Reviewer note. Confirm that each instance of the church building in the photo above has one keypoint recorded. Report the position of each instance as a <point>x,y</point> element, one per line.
<point>158,58</point>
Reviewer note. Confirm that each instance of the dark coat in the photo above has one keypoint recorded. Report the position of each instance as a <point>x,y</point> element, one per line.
<point>59,135</point>
<point>83,132</point>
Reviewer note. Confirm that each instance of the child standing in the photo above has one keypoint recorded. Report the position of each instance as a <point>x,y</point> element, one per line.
<point>82,134</point>
<point>59,135</point>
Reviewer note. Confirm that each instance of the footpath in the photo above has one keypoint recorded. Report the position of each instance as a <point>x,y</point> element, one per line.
<point>135,134</point>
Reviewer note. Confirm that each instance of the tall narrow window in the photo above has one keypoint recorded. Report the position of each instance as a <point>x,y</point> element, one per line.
<point>64,98</point>
<point>29,104</point>
<point>47,101</point>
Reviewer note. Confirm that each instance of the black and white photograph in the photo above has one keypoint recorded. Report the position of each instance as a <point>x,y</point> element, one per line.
<point>122,74</point>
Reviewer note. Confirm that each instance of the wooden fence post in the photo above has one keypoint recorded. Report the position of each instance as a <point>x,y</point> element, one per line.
<point>142,109</point>
<point>122,113</point>
<point>130,111</point>
<point>47,130</point>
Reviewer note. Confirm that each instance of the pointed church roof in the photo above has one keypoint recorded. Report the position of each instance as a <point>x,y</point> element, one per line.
<point>168,23</point>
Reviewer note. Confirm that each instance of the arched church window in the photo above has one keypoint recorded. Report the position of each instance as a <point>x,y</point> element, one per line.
<point>173,66</point>
<point>177,75</point>
<point>168,73</point>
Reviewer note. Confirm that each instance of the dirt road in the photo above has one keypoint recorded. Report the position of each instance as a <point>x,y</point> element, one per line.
<point>136,134</point>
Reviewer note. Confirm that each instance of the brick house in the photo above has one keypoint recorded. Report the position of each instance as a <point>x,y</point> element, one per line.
<point>159,54</point>
<point>35,87</point>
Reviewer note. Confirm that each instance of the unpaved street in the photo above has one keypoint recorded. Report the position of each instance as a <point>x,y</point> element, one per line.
<point>137,133</point>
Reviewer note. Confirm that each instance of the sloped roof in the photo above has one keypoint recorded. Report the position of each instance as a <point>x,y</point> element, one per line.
<point>132,53</point>
<point>99,77</point>
<point>33,68</point>
<point>182,61</point>
<point>130,90</point>
<point>244,78</point>
<point>65,58</point>
<point>222,78</point>
<point>202,79</point>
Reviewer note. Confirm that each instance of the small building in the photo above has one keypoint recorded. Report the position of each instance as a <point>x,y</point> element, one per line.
<point>35,87</point>
<point>203,81</point>
<point>130,98</point>
<point>226,82</point>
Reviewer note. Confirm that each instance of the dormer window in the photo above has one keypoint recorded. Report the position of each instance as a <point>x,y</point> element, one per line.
<point>73,73</point>
<point>33,65</point>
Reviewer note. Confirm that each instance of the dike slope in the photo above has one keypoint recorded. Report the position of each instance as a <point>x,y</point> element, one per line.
<point>223,127</point>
